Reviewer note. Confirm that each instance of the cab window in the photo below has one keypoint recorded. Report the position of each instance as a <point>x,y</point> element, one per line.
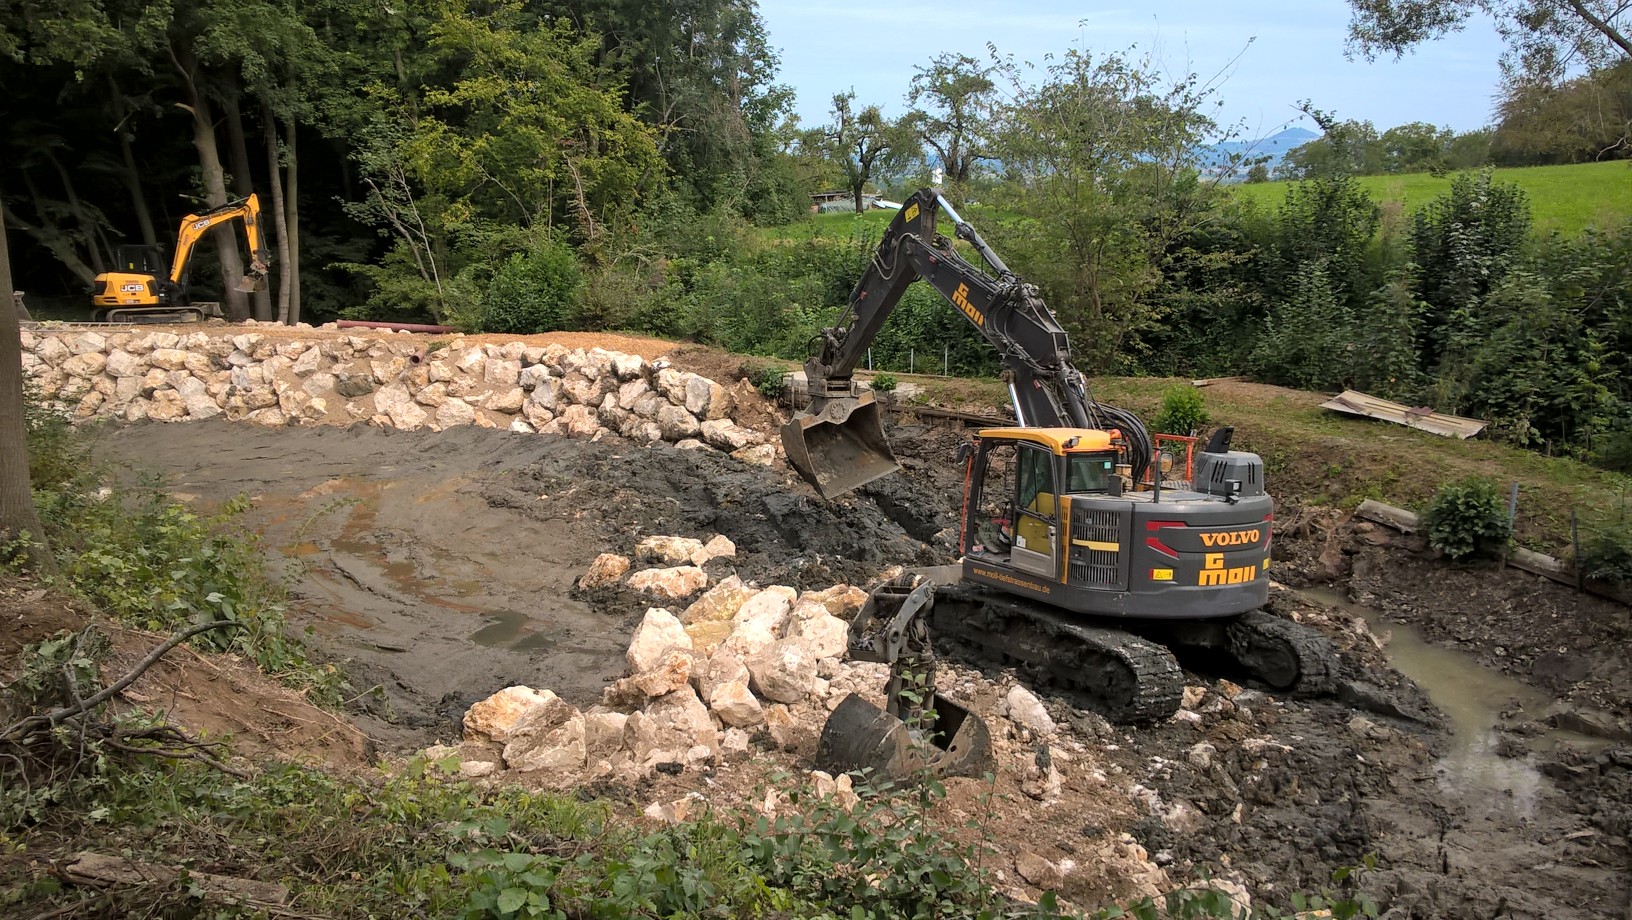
<point>1089,472</point>
<point>1036,478</point>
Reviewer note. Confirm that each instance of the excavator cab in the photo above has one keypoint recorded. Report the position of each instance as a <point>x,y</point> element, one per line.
<point>142,260</point>
<point>1019,483</point>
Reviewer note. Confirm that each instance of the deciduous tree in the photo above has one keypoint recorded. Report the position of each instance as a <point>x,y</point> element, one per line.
<point>1545,38</point>
<point>955,110</point>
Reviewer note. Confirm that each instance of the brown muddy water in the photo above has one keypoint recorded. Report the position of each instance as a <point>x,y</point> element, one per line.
<point>426,593</point>
<point>1475,700</point>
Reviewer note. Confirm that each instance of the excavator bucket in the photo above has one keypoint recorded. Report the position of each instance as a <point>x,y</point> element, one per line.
<point>860,737</point>
<point>838,444</point>
<point>251,282</point>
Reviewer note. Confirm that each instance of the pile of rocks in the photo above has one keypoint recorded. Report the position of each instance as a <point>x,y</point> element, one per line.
<point>741,665</point>
<point>396,382</point>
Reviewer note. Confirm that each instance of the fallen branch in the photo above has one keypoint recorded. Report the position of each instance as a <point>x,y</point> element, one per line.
<point>22,728</point>
<point>97,870</point>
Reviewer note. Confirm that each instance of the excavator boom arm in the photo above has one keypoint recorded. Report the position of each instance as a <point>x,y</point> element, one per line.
<point>194,226</point>
<point>837,444</point>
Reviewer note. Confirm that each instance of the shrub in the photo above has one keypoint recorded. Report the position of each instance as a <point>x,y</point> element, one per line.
<point>884,382</point>
<point>766,378</point>
<point>533,292</point>
<point>1468,519</point>
<point>1607,556</point>
<point>1183,411</point>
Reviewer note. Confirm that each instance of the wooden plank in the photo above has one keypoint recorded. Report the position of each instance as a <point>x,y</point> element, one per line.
<point>968,418</point>
<point>1398,518</point>
<point>1209,381</point>
<point>1353,402</point>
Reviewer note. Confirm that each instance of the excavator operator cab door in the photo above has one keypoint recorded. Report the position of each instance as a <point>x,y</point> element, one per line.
<point>144,260</point>
<point>1012,510</point>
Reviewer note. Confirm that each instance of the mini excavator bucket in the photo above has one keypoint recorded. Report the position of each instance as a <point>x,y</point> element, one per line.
<point>838,444</point>
<point>252,281</point>
<point>919,731</point>
<point>859,736</point>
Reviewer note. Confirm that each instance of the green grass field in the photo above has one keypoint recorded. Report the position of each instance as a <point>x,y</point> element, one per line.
<point>1563,198</point>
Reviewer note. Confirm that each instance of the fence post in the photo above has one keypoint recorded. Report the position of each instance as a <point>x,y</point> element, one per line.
<point>1575,549</point>
<point>912,360</point>
<point>946,361</point>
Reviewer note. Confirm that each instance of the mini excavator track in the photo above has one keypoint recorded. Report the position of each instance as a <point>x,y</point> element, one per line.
<point>1286,655</point>
<point>1123,676</point>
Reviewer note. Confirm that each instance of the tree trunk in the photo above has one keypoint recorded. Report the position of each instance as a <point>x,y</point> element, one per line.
<point>279,215</point>
<point>132,176</point>
<point>243,184</point>
<point>291,204</point>
<point>87,226</point>
<point>138,197</point>
<point>60,246</point>
<point>17,514</point>
<point>215,185</point>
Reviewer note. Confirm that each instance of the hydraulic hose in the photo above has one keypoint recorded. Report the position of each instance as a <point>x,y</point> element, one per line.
<point>1140,446</point>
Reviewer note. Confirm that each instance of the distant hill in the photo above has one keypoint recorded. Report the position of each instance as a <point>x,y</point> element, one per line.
<point>1216,158</point>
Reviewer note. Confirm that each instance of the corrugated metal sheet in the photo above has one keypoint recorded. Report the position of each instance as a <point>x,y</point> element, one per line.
<point>1355,402</point>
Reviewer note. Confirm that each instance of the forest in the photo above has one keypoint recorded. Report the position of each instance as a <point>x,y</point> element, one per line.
<point>528,165</point>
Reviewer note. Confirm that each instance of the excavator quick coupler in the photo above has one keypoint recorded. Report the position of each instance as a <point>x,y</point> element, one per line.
<point>919,731</point>
<point>838,444</point>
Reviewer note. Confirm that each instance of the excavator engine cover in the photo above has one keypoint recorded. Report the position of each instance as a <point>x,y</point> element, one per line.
<point>860,737</point>
<point>838,444</point>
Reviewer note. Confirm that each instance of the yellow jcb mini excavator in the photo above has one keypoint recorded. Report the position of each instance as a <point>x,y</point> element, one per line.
<point>141,291</point>
<point>1081,565</point>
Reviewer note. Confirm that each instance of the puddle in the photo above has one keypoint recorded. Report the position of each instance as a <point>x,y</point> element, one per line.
<point>1472,697</point>
<point>509,629</point>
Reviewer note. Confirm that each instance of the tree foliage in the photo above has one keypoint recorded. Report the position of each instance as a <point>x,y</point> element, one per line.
<point>955,108</point>
<point>1544,37</point>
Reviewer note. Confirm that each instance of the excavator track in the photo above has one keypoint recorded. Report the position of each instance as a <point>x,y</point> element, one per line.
<point>1123,676</point>
<point>1286,655</point>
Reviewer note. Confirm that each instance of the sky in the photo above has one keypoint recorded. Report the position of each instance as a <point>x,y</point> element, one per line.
<point>1266,55</point>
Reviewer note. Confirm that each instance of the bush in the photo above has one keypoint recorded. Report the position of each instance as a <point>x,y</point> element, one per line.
<point>1607,556</point>
<point>533,292</point>
<point>884,382</point>
<point>766,378</point>
<point>1468,520</point>
<point>1183,411</point>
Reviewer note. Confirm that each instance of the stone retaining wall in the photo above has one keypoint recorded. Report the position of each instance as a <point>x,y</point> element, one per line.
<point>397,382</point>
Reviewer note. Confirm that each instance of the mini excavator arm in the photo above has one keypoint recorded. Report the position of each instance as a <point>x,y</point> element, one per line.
<point>194,226</point>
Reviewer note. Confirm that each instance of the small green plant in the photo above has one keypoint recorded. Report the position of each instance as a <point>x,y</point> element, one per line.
<point>1467,520</point>
<point>884,382</point>
<point>766,378</point>
<point>1183,411</point>
<point>1607,556</point>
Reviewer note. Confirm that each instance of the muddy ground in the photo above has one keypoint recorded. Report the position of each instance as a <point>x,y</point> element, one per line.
<point>440,567</point>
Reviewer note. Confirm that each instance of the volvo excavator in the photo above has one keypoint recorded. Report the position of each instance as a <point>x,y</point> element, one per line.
<point>142,289</point>
<point>1082,565</point>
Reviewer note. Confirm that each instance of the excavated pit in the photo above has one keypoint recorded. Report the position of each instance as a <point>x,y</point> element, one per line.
<point>441,567</point>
